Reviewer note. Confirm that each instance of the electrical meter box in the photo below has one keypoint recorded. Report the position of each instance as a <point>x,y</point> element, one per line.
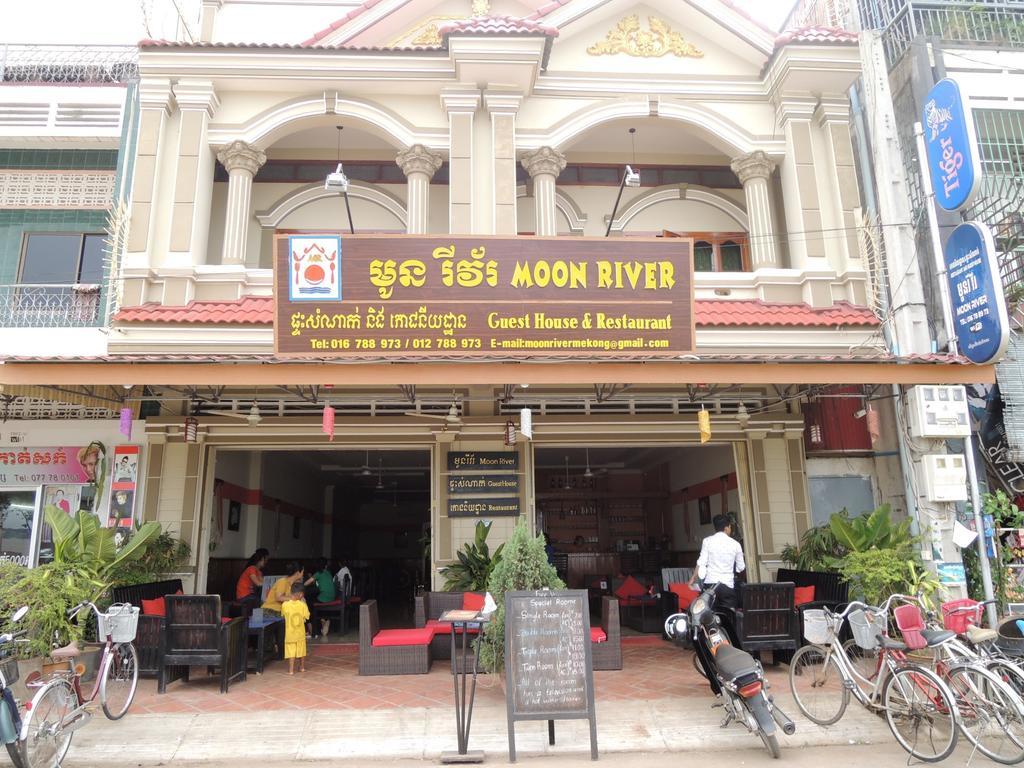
<point>945,477</point>
<point>938,411</point>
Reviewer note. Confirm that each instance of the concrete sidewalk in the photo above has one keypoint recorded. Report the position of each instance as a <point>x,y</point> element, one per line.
<point>659,725</point>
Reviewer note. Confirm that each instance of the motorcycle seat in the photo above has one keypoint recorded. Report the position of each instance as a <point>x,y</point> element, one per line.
<point>733,663</point>
<point>936,636</point>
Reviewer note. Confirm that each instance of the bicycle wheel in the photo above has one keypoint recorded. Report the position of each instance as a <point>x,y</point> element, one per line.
<point>920,712</point>
<point>118,686</point>
<point>866,665</point>
<point>1008,672</point>
<point>817,684</point>
<point>990,714</point>
<point>46,742</point>
<point>14,752</point>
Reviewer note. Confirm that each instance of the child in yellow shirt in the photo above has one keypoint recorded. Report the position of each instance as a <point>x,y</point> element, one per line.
<point>296,614</point>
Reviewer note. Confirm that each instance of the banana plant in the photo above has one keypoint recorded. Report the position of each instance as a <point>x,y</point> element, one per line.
<point>80,542</point>
<point>873,530</point>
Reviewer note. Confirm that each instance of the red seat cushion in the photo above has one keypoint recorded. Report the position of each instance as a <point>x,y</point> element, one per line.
<point>355,600</point>
<point>471,601</point>
<point>391,637</point>
<point>597,635</point>
<point>803,595</point>
<point>630,588</point>
<point>685,593</point>
<point>154,607</point>
<point>445,627</point>
<point>328,604</point>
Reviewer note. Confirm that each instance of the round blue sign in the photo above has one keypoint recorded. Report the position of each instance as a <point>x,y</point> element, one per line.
<point>976,293</point>
<point>952,146</point>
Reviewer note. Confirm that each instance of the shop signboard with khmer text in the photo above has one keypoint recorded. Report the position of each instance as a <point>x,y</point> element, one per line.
<point>391,297</point>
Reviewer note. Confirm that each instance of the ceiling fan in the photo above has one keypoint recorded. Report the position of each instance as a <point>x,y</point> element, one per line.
<point>594,472</point>
<point>451,419</point>
<point>254,417</point>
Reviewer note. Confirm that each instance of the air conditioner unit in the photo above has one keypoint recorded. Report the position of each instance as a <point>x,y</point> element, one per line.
<point>938,411</point>
<point>945,477</point>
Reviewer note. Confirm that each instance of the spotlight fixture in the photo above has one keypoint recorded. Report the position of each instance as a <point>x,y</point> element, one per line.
<point>631,178</point>
<point>338,182</point>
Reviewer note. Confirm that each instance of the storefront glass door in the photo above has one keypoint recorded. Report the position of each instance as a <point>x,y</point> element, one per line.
<point>18,523</point>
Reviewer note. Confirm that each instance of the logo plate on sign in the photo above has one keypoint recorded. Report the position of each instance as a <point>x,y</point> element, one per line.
<point>314,268</point>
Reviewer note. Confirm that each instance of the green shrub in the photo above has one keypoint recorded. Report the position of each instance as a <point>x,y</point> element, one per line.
<point>524,566</point>
<point>875,574</point>
<point>164,555</point>
<point>49,591</point>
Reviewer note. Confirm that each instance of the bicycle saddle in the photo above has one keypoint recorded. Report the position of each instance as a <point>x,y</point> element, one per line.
<point>936,636</point>
<point>69,651</point>
<point>893,645</point>
<point>978,635</point>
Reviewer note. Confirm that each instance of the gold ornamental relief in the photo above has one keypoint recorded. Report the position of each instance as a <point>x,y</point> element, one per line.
<point>627,37</point>
<point>425,32</point>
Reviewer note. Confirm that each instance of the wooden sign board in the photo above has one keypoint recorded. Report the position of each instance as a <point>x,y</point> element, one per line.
<point>459,461</point>
<point>396,297</point>
<point>472,485</point>
<point>548,665</point>
<point>484,507</point>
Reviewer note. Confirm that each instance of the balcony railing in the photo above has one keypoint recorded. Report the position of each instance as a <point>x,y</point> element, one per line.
<point>109,64</point>
<point>964,22</point>
<point>51,306</point>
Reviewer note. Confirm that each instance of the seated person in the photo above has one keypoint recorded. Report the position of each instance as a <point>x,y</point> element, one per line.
<point>248,590</point>
<point>282,588</point>
<point>325,590</point>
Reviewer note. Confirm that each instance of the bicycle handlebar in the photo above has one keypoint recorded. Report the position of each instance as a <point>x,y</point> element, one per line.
<point>77,609</point>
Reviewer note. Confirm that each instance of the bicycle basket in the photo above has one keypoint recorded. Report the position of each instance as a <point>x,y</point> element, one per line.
<point>9,668</point>
<point>956,617</point>
<point>816,627</point>
<point>119,622</point>
<point>866,628</point>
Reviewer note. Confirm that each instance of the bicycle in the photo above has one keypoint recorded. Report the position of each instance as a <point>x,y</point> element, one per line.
<point>989,712</point>
<point>918,706</point>
<point>976,642</point>
<point>59,707</point>
<point>10,717</point>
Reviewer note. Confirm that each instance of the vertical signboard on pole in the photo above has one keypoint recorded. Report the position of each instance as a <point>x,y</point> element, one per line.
<point>951,145</point>
<point>980,322</point>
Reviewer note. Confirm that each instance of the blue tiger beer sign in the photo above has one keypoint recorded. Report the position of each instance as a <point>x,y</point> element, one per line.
<point>951,146</point>
<point>976,293</point>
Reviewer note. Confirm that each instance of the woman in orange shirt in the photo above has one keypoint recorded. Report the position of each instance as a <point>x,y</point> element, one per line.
<point>249,589</point>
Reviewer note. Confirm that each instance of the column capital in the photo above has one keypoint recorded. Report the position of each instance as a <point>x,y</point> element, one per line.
<point>419,159</point>
<point>500,101</point>
<point>196,95</point>
<point>241,156</point>
<point>155,93</point>
<point>544,160</point>
<point>756,165</point>
<point>460,99</point>
<point>832,111</point>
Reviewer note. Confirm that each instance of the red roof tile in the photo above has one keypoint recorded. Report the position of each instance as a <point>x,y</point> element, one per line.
<point>497,25</point>
<point>816,35</point>
<point>259,310</point>
<point>359,10</point>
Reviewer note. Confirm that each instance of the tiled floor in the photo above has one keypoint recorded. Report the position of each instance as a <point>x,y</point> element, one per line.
<point>651,670</point>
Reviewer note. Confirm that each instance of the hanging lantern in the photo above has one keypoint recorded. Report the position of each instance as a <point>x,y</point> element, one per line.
<point>328,422</point>
<point>126,422</point>
<point>873,421</point>
<point>191,429</point>
<point>742,416</point>
<point>510,433</point>
<point>704,425</point>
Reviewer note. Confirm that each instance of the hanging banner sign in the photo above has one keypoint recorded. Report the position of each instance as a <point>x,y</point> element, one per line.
<point>473,485</point>
<point>474,460</point>
<point>391,297</point>
<point>952,145</point>
<point>496,507</point>
<point>980,321</point>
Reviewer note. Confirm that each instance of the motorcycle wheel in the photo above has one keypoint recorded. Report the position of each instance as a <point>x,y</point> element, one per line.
<point>765,724</point>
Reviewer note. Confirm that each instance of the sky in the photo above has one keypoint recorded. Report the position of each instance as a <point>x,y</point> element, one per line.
<point>121,21</point>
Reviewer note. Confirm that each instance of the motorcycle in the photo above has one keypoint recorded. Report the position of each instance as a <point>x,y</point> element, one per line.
<point>734,675</point>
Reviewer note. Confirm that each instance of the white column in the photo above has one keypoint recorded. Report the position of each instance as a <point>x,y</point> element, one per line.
<point>754,172</point>
<point>241,161</point>
<point>502,103</point>
<point>419,165</point>
<point>544,165</point>
<point>461,104</point>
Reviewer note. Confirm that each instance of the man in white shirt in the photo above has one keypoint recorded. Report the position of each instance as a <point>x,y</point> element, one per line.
<point>721,558</point>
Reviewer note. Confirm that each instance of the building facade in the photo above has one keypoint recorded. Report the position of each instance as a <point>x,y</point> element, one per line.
<point>560,135</point>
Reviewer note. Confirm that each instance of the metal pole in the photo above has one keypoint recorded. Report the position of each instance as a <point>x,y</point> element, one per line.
<point>618,199</point>
<point>947,318</point>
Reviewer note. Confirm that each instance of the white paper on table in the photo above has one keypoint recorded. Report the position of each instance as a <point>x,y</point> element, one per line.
<point>962,535</point>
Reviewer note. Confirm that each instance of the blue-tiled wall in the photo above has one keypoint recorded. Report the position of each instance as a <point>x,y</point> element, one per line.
<point>53,159</point>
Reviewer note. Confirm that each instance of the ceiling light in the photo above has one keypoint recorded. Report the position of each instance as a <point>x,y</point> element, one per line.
<point>254,416</point>
<point>742,415</point>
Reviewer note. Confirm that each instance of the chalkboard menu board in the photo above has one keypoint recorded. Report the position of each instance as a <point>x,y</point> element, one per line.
<point>548,666</point>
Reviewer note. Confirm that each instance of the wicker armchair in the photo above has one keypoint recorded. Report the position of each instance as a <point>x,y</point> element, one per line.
<point>429,607</point>
<point>150,632</point>
<point>411,656</point>
<point>608,653</point>
<point>196,635</point>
